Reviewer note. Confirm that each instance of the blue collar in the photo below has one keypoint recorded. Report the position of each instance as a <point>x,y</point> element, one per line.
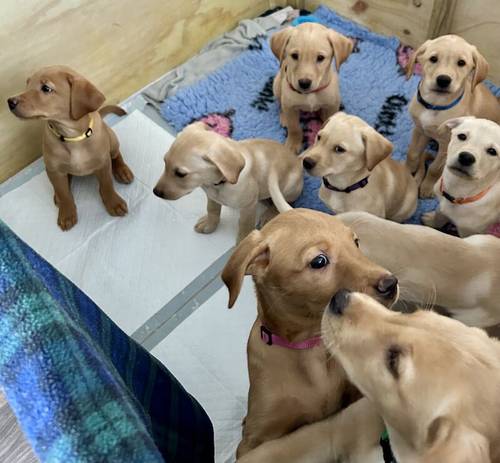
<point>361,184</point>
<point>427,105</point>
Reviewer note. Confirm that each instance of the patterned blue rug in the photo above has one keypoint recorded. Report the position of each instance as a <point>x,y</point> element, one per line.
<point>238,100</point>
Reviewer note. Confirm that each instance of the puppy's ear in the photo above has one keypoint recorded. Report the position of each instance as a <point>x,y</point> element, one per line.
<point>229,161</point>
<point>342,47</point>
<point>198,125</point>
<point>250,256</point>
<point>447,441</point>
<point>450,124</point>
<point>377,147</point>
<point>410,67</point>
<point>279,42</point>
<point>85,98</point>
<point>481,68</point>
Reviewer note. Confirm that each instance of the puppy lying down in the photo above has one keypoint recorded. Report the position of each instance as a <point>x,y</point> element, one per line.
<point>236,174</point>
<point>433,268</point>
<point>358,173</point>
<point>430,383</point>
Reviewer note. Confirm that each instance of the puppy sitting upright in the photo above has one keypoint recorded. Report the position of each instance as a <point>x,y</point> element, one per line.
<point>452,72</point>
<point>233,174</point>
<point>358,173</point>
<point>306,80</point>
<point>469,189</point>
<point>76,141</point>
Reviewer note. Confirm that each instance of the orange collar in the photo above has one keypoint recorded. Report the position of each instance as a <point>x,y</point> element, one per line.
<point>307,93</point>
<point>466,200</point>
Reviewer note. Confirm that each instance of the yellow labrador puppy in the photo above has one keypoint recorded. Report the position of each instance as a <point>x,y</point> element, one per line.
<point>430,383</point>
<point>469,189</point>
<point>298,261</point>
<point>234,174</point>
<point>358,173</point>
<point>452,72</point>
<point>461,276</point>
<point>306,80</point>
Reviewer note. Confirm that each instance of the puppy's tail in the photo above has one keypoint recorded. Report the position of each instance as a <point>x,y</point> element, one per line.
<point>276,194</point>
<point>112,109</point>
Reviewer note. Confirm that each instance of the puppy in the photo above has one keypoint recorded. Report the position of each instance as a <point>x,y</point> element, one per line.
<point>306,80</point>
<point>358,172</point>
<point>298,260</point>
<point>469,189</point>
<point>452,72</point>
<point>461,277</point>
<point>233,174</point>
<point>430,383</point>
<point>76,141</point>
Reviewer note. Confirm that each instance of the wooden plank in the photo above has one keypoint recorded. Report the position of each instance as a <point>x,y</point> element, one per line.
<point>479,24</point>
<point>119,45</point>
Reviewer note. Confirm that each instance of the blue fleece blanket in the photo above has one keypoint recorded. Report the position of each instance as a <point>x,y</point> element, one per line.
<point>237,99</point>
<point>82,390</point>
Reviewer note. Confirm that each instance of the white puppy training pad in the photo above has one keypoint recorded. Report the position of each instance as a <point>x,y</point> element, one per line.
<point>207,354</point>
<point>130,266</point>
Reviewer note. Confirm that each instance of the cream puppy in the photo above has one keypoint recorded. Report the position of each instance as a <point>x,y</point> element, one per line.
<point>358,173</point>
<point>234,174</point>
<point>452,72</point>
<point>469,189</point>
<point>306,80</point>
<point>430,383</point>
<point>461,276</point>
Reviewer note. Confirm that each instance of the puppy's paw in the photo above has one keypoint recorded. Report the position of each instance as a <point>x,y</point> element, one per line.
<point>206,225</point>
<point>122,173</point>
<point>115,205</point>
<point>428,218</point>
<point>427,189</point>
<point>67,218</point>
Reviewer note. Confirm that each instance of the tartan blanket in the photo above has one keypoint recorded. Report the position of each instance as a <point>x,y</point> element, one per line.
<point>82,390</point>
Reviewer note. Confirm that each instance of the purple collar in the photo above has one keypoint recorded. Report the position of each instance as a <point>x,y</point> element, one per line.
<point>356,186</point>
<point>273,339</point>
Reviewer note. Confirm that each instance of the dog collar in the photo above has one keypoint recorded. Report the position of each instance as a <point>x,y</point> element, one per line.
<point>433,107</point>
<point>385,444</point>
<point>356,186</point>
<point>319,89</point>
<point>88,133</point>
<point>273,339</point>
<point>466,200</point>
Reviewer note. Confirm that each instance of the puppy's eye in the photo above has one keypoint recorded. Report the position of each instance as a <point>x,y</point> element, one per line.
<point>179,173</point>
<point>461,63</point>
<point>492,151</point>
<point>320,58</point>
<point>319,261</point>
<point>46,89</point>
<point>433,59</point>
<point>356,242</point>
<point>392,357</point>
<point>339,149</point>
<point>462,136</point>
<point>295,56</point>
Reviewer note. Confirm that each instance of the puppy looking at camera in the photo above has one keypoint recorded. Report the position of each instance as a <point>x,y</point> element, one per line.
<point>452,72</point>
<point>306,80</point>
<point>469,189</point>
<point>236,174</point>
<point>358,173</point>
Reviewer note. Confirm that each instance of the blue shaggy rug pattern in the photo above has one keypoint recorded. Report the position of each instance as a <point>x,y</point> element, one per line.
<point>237,99</point>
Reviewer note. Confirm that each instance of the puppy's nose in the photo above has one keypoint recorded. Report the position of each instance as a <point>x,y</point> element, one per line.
<point>304,84</point>
<point>158,192</point>
<point>308,163</point>
<point>340,301</point>
<point>12,102</point>
<point>466,159</point>
<point>443,81</point>
<point>387,286</point>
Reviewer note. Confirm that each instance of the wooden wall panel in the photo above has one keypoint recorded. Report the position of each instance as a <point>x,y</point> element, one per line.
<point>120,45</point>
<point>479,23</point>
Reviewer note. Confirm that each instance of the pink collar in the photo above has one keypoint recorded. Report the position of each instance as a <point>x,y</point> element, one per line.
<point>273,339</point>
<point>494,229</point>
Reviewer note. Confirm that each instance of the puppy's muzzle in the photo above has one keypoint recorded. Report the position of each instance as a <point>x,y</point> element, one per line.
<point>387,286</point>
<point>443,81</point>
<point>308,163</point>
<point>305,84</point>
<point>339,302</point>
<point>466,159</point>
<point>159,193</point>
<point>12,102</point>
